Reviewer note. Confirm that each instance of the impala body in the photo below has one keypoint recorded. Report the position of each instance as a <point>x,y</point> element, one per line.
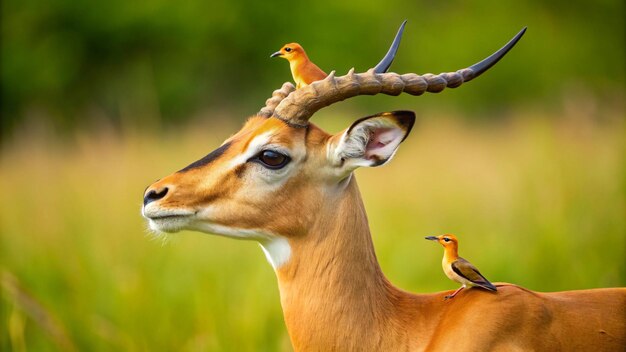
<point>289,185</point>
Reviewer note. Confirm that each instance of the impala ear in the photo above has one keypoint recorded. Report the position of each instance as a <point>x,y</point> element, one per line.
<point>372,140</point>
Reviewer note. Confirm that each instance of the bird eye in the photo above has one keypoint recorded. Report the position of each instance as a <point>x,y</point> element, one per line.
<point>287,49</point>
<point>446,239</point>
<point>271,159</point>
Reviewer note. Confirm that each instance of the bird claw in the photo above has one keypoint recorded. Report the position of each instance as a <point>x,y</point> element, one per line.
<point>447,297</point>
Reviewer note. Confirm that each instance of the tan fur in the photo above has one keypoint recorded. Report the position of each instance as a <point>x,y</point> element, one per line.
<point>335,297</point>
<point>333,292</point>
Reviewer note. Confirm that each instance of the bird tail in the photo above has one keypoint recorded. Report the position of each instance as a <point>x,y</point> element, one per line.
<point>487,286</point>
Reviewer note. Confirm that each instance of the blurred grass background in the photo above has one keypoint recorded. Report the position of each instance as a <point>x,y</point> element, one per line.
<point>99,99</point>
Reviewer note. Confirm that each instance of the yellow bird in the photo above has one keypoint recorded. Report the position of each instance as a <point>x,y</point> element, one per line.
<point>459,269</point>
<point>303,70</point>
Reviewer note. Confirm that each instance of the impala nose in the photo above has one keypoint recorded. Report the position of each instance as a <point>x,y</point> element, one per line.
<point>154,194</point>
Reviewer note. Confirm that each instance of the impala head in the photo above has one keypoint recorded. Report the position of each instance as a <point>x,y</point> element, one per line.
<point>447,240</point>
<point>269,180</point>
<point>290,51</point>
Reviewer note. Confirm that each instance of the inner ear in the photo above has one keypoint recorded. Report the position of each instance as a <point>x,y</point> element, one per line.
<point>373,140</point>
<point>382,144</point>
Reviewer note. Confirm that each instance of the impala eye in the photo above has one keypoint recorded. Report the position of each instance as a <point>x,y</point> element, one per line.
<point>271,159</point>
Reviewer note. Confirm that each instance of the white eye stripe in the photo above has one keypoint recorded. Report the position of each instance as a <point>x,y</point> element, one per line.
<point>273,178</point>
<point>254,147</point>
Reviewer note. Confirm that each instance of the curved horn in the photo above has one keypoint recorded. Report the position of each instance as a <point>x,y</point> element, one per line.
<point>298,107</point>
<point>384,64</point>
<point>277,96</point>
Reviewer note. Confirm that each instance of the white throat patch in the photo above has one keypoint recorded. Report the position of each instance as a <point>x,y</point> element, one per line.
<point>277,250</point>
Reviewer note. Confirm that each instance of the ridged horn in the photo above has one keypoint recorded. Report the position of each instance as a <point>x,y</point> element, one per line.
<point>298,107</point>
<point>277,96</point>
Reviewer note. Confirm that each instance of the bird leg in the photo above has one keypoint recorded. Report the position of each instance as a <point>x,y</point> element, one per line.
<point>454,293</point>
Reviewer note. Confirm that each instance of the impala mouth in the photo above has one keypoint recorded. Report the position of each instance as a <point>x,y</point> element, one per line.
<point>167,221</point>
<point>159,214</point>
<point>168,216</point>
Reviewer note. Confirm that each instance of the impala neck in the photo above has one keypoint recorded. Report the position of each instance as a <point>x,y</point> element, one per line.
<point>333,280</point>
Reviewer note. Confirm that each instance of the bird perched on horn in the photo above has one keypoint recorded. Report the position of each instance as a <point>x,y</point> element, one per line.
<point>305,72</point>
<point>297,107</point>
<point>459,269</point>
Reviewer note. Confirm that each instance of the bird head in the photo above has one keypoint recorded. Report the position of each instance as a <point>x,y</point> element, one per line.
<point>447,240</point>
<point>290,51</point>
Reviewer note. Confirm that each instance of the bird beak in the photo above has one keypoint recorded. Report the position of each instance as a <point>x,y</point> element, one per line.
<point>432,238</point>
<point>278,53</point>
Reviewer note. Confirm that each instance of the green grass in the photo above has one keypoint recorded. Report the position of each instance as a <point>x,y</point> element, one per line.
<point>536,201</point>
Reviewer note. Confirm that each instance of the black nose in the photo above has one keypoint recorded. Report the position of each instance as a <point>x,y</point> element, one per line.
<point>154,195</point>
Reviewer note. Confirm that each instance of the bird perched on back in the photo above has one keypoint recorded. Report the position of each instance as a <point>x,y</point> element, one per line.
<point>459,269</point>
<point>303,70</point>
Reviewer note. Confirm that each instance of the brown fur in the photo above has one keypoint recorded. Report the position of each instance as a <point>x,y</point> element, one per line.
<point>335,297</point>
<point>333,292</point>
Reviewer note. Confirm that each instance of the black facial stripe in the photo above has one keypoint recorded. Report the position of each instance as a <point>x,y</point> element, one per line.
<point>209,158</point>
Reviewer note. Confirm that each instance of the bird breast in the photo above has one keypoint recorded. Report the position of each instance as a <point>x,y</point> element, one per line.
<point>447,269</point>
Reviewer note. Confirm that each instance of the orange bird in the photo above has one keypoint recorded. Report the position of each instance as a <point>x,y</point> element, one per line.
<point>459,269</point>
<point>303,70</point>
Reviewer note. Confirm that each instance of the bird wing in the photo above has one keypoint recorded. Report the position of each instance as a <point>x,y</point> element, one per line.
<point>311,73</point>
<point>468,271</point>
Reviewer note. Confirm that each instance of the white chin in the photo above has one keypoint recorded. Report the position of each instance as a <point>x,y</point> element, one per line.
<point>169,225</point>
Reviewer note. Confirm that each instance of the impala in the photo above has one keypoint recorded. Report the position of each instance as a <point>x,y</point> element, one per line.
<point>289,185</point>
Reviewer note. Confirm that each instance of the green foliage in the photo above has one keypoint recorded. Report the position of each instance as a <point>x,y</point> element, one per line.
<point>139,62</point>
